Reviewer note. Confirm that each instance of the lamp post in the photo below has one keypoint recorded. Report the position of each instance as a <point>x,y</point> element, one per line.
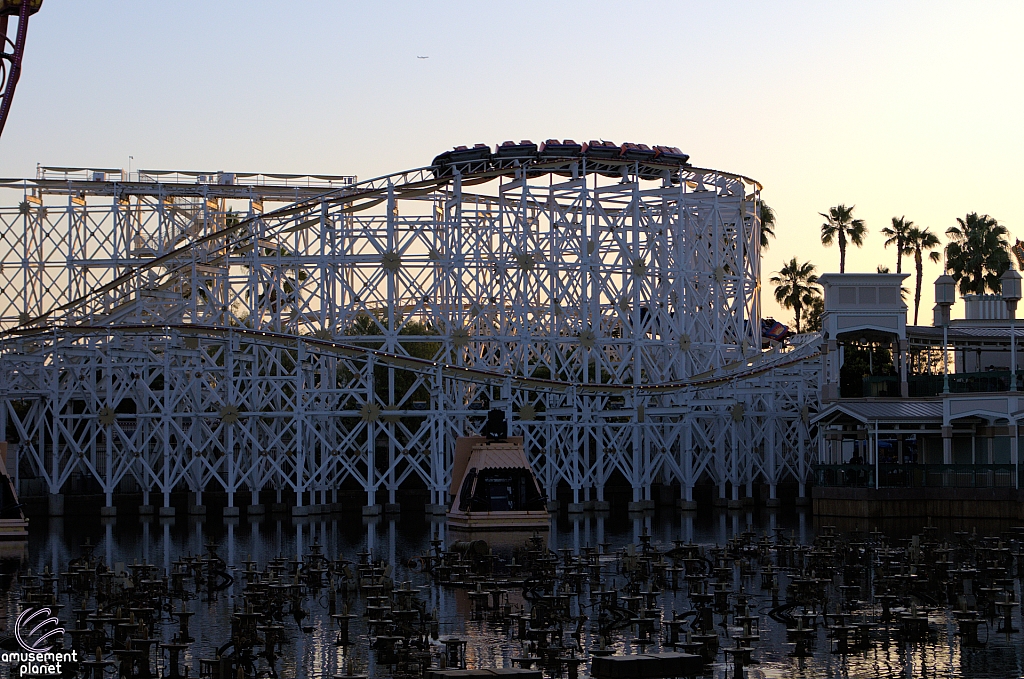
<point>945,296</point>
<point>1010,281</point>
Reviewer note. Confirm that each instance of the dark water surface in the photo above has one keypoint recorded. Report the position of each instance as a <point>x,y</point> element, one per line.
<point>398,539</point>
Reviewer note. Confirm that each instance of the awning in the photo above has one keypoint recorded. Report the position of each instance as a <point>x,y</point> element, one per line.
<point>885,411</point>
<point>498,456</point>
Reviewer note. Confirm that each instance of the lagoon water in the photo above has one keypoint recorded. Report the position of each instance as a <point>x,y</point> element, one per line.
<point>400,538</point>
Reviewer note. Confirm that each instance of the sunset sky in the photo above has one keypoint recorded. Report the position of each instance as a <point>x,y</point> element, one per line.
<point>908,109</point>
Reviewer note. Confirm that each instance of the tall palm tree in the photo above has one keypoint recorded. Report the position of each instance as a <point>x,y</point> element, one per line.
<point>795,287</point>
<point>841,226</point>
<point>767,215</point>
<point>897,235</point>
<point>919,241</point>
<point>977,254</point>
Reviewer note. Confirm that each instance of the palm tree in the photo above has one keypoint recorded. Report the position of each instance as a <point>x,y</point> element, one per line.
<point>840,225</point>
<point>977,255</point>
<point>920,241</point>
<point>897,235</point>
<point>795,287</point>
<point>767,224</point>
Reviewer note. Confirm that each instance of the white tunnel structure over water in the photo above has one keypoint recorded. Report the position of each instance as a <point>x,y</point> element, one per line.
<point>242,332</point>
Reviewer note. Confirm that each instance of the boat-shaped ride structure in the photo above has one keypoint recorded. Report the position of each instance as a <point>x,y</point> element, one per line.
<point>493,486</point>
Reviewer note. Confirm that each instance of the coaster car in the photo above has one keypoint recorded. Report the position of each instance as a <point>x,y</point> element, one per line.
<point>554,149</point>
<point>773,330</point>
<point>601,150</point>
<point>443,164</point>
<point>601,157</point>
<point>525,149</point>
<point>670,155</point>
<point>631,151</point>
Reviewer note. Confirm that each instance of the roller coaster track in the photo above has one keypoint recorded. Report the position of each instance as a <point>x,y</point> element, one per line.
<point>805,349</point>
<point>369,194</point>
<point>362,196</point>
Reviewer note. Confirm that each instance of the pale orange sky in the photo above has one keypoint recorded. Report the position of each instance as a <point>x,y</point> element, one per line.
<point>900,109</point>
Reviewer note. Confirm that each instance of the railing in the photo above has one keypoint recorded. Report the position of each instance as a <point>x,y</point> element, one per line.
<point>844,475</point>
<point>993,380</point>
<point>80,174</point>
<point>931,385</point>
<point>915,475</point>
<point>881,387</point>
<point>925,385</point>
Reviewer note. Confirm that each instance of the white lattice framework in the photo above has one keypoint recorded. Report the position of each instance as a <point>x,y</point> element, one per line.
<point>178,331</point>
